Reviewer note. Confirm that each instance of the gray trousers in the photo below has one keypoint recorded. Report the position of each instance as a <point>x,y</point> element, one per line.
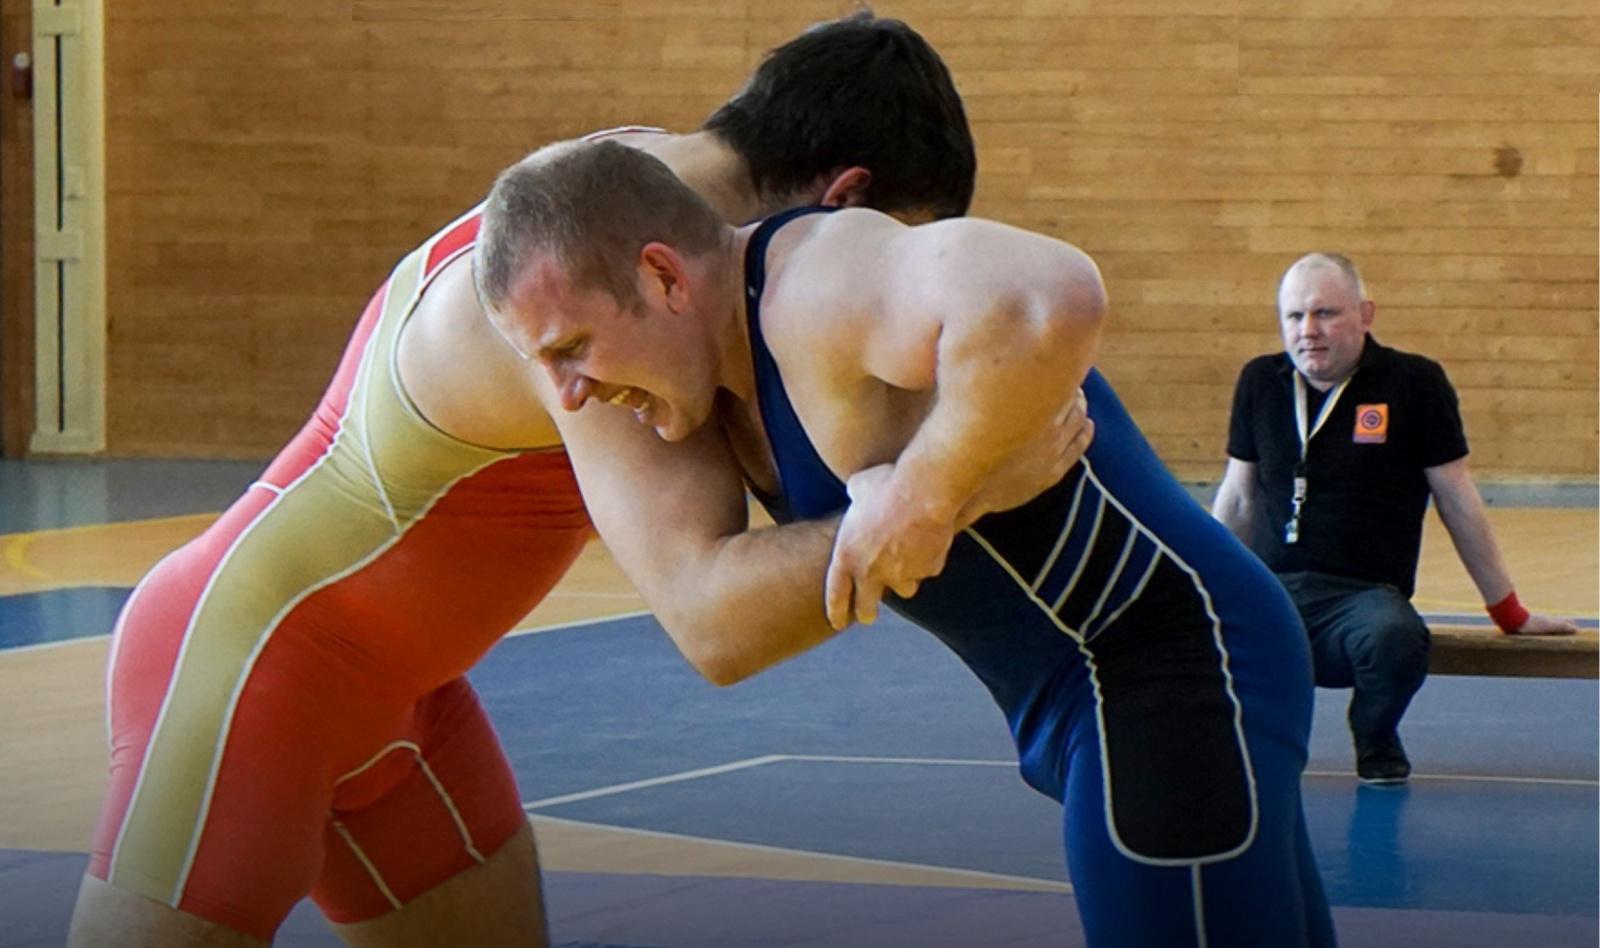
<point>1365,636</point>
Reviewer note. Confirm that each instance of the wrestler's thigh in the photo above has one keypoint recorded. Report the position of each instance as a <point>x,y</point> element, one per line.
<point>1252,897</point>
<point>226,739</point>
<point>231,812</point>
<point>438,814</point>
<point>1204,829</point>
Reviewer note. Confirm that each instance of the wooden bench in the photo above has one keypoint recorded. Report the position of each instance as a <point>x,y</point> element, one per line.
<point>1483,650</point>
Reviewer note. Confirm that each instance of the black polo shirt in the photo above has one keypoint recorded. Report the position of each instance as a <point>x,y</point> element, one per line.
<point>1366,491</point>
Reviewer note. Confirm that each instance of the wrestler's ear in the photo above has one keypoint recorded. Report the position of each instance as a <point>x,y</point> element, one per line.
<point>664,276</point>
<point>847,188</point>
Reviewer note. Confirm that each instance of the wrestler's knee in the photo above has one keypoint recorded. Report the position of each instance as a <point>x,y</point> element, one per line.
<point>107,916</point>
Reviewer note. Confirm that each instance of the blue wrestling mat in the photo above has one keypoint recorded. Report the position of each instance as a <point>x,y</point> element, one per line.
<point>880,745</point>
<point>59,615</point>
<point>604,910</point>
<point>884,744</point>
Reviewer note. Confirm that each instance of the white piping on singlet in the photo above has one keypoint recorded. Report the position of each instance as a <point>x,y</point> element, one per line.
<point>438,787</point>
<point>450,804</point>
<point>1111,581</point>
<point>197,831</point>
<point>1061,541</point>
<point>1083,561</point>
<point>1202,939</point>
<point>371,867</point>
<point>624,130</point>
<point>1133,597</point>
<point>373,760</point>
<point>1094,676</point>
<point>362,379</point>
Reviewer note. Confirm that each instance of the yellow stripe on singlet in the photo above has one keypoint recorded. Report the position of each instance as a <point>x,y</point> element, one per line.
<point>384,470</point>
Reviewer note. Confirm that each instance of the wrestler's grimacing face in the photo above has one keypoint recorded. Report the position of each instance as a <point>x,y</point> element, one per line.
<point>644,359</point>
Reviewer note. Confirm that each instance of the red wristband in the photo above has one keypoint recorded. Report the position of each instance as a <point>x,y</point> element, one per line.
<point>1508,613</point>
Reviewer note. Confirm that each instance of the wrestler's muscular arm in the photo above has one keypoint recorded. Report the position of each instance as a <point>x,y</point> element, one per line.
<point>674,516</point>
<point>1004,323</point>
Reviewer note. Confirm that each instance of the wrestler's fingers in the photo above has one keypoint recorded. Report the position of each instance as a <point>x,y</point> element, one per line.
<point>839,592</point>
<point>868,593</point>
<point>1078,404</point>
<point>906,588</point>
<point>1084,438</point>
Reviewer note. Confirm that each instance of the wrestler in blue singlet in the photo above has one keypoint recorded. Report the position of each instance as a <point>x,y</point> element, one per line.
<point>1155,676</point>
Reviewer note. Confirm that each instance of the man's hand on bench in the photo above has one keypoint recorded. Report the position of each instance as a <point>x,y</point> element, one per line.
<point>1485,650</point>
<point>1539,624</point>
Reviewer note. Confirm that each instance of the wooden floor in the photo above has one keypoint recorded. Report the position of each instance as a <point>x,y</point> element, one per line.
<point>1551,553</point>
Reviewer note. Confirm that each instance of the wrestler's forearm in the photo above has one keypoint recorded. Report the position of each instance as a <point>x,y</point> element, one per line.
<point>749,601</point>
<point>676,520</point>
<point>1015,337</point>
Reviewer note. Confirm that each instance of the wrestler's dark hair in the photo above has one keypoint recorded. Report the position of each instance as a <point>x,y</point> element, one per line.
<point>855,91</point>
<point>593,206</point>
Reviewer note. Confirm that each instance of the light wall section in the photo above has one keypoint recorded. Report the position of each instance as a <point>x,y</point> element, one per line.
<point>270,161</point>
<point>69,335</point>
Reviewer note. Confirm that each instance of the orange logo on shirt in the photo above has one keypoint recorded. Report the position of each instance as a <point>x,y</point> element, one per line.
<point>1372,424</point>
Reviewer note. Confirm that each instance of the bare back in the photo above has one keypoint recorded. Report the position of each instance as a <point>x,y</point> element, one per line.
<point>463,377</point>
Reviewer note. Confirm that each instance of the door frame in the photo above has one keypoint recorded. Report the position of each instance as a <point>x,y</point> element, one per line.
<point>16,236</point>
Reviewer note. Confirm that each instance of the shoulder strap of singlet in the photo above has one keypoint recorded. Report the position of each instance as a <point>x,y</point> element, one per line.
<point>624,130</point>
<point>805,484</point>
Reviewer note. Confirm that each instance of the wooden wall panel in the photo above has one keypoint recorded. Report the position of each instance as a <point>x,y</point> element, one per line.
<point>16,239</point>
<point>272,158</point>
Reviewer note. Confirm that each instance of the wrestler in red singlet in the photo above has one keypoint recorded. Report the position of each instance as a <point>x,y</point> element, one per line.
<point>288,707</point>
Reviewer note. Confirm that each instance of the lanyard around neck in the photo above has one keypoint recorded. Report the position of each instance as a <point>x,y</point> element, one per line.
<point>1302,481</point>
<point>1302,411</point>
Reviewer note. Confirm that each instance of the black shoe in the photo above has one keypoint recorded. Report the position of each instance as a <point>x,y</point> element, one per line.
<point>1382,760</point>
